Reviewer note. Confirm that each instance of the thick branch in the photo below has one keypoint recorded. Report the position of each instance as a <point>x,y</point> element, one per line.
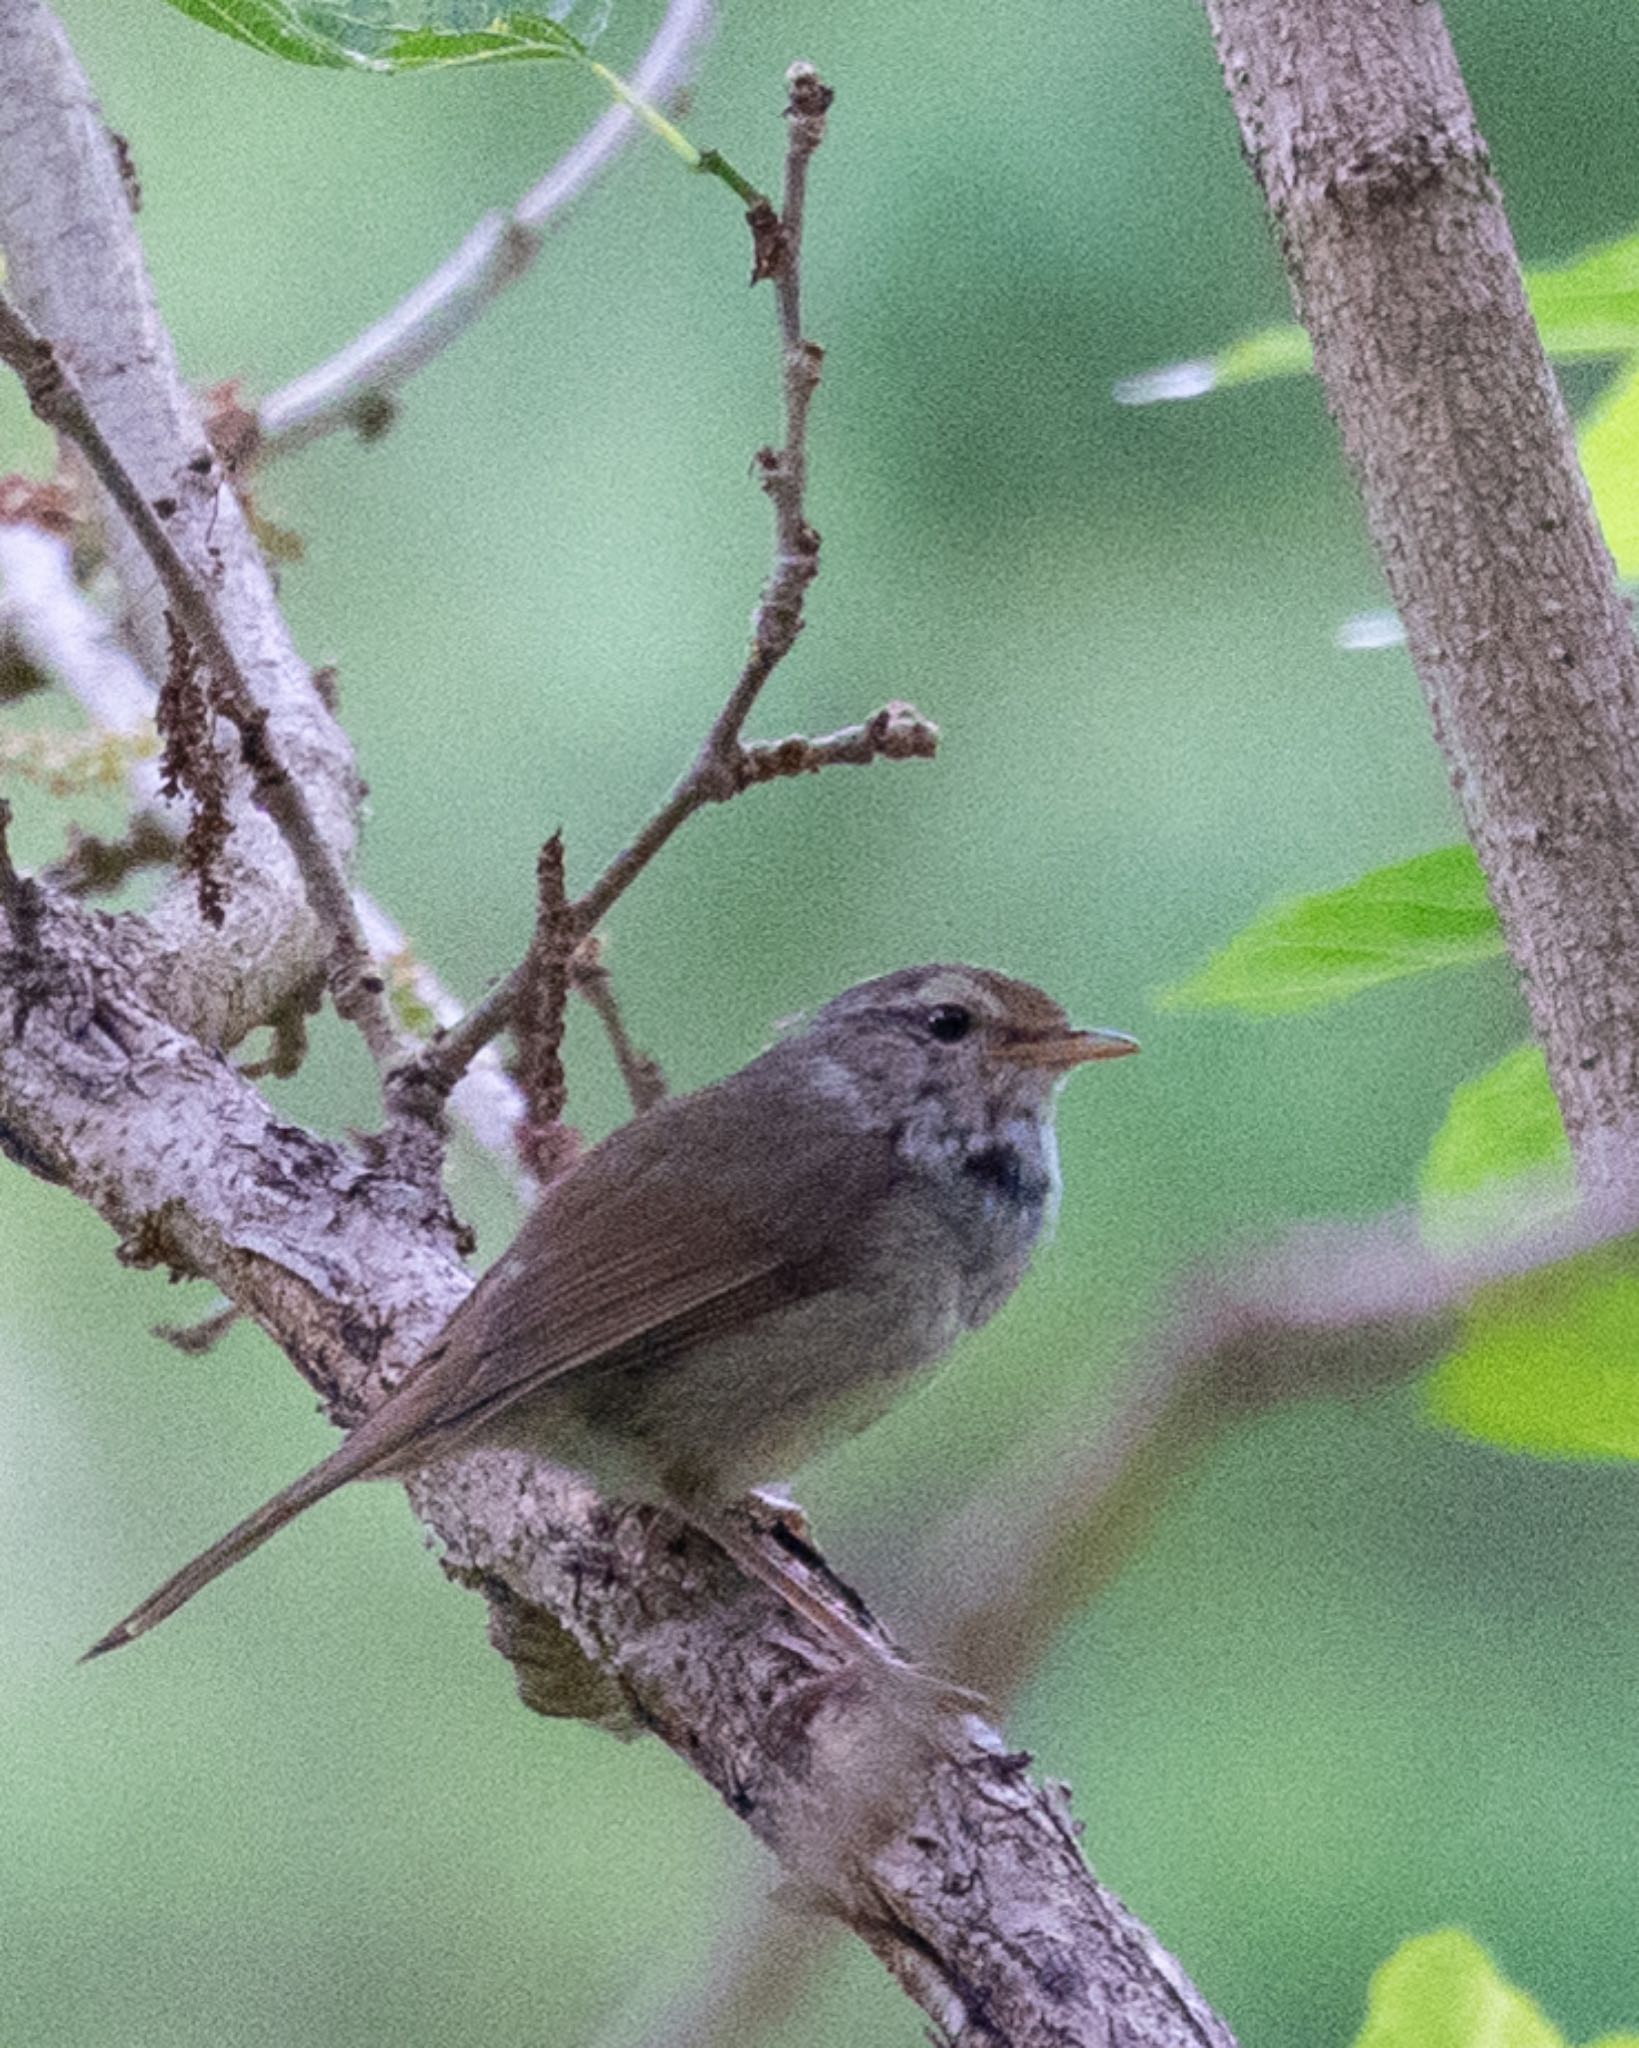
<point>75,267</point>
<point>51,391</point>
<point>1357,123</point>
<point>914,1845</point>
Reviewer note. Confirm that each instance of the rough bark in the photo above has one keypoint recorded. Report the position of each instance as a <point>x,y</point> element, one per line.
<point>1357,123</point>
<point>75,266</point>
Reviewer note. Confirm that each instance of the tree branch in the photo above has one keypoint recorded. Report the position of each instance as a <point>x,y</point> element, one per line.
<point>1358,126</point>
<point>725,764</point>
<point>59,628</point>
<point>916,1843</point>
<point>355,985</point>
<point>75,268</point>
<point>359,386</point>
<point>644,1079</point>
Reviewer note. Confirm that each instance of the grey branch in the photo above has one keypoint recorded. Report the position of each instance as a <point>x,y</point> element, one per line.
<point>58,402</point>
<point>59,629</point>
<point>359,386</point>
<point>75,268</point>
<point>1357,123</point>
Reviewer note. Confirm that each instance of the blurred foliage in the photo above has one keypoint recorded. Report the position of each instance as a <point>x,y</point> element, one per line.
<point>1610,457</point>
<point>1501,1156</point>
<point>1368,1677</point>
<point>1443,1991</point>
<point>1547,1363</point>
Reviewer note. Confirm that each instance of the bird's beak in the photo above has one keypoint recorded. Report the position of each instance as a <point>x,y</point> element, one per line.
<point>1066,1049</point>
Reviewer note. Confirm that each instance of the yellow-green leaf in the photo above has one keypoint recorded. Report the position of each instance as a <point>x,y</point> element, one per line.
<point>1443,1991</point>
<point>1419,915</point>
<point>1501,1155</point>
<point>1609,446</point>
<point>1550,1363</point>
<point>1588,307</point>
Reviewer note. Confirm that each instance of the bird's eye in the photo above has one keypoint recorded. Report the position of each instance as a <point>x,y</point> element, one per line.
<point>949,1022</point>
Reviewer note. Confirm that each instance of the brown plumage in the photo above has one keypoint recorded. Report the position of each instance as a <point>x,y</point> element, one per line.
<point>745,1274</point>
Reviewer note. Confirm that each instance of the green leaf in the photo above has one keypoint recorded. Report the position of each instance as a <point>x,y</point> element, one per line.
<point>1420,915</point>
<point>1609,446</point>
<point>1443,1991</point>
<point>1550,1363</point>
<point>386,35</point>
<point>1501,1156</point>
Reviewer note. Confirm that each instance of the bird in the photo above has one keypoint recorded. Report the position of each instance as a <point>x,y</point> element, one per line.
<point>743,1276</point>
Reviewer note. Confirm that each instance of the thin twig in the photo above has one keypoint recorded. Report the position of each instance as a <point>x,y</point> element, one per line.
<point>725,763</point>
<point>642,1074</point>
<point>355,984</point>
<point>196,1338</point>
<point>358,387</point>
<point>547,1146</point>
<point>898,732</point>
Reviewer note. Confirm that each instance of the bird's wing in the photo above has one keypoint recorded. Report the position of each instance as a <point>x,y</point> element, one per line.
<point>677,1228</point>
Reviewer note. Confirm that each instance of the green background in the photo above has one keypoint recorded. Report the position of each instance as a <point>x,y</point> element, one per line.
<point>1367,1677</point>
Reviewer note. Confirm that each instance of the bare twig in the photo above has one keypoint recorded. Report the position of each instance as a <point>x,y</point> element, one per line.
<point>196,1338</point>
<point>548,1147</point>
<point>642,1074</point>
<point>1357,123</point>
<point>355,984</point>
<point>898,732</point>
<point>544,1002</point>
<point>93,866</point>
<point>359,386</point>
<point>726,764</point>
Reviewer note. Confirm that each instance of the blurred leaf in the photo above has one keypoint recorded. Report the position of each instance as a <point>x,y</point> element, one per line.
<point>1588,307</point>
<point>1279,351</point>
<point>1500,1152</point>
<point>1609,445</point>
<point>385,35</point>
<point>1412,918</point>
<point>1550,1363</point>
<point>1443,1991</point>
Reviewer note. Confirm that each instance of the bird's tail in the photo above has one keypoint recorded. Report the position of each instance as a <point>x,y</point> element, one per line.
<point>362,1450</point>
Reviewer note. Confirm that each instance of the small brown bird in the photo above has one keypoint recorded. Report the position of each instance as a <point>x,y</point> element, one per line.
<point>745,1275</point>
